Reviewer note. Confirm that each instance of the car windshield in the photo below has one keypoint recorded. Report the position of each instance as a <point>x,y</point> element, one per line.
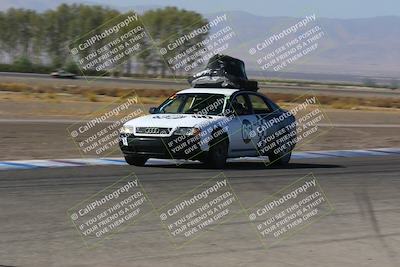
<point>203,104</point>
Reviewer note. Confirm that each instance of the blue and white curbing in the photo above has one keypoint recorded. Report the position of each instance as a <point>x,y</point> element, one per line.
<point>57,163</point>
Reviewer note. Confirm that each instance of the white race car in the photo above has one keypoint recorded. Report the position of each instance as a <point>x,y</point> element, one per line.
<point>211,125</point>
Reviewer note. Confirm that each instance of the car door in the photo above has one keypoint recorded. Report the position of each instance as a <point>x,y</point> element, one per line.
<point>265,123</point>
<point>241,126</point>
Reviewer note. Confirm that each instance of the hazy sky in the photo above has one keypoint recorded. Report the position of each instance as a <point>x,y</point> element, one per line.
<point>323,8</point>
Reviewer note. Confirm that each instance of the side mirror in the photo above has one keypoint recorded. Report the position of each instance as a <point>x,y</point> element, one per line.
<point>153,110</point>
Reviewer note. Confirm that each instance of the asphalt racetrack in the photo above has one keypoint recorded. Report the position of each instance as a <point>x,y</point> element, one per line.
<point>362,230</point>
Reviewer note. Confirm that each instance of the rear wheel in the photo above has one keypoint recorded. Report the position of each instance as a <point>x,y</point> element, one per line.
<point>282,158</point>
<point>217,155</point>
<point>134,160</point>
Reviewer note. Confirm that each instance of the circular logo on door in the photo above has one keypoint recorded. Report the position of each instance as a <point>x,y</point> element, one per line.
<point>246,129</point>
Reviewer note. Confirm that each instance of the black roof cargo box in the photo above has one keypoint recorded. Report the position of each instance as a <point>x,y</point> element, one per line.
<point>223,72</point>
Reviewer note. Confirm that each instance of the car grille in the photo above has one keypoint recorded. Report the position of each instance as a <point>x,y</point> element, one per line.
<point>153,130</point>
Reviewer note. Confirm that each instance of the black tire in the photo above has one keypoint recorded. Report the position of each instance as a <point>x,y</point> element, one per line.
<point>136,161</point>
<point>281,158</point>
<point>217,155</point>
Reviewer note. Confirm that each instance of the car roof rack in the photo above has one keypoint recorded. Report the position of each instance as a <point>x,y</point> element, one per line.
<point>223,71</point>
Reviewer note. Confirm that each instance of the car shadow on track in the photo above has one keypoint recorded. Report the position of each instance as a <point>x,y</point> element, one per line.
<point>251,166</point>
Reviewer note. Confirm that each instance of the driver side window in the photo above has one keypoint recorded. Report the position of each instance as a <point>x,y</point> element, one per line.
<point>240,105</point>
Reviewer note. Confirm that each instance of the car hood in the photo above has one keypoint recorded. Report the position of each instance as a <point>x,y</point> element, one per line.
<point>170,121</point>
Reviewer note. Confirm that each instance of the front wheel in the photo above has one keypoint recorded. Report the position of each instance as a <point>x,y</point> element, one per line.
<point>217,155</point>
<point>136,161</point>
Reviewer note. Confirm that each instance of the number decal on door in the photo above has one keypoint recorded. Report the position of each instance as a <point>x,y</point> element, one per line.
<point>246,129</point>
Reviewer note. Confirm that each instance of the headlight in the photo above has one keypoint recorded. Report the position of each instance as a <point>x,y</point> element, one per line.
<point>187,131</point>
<point>126,130</point>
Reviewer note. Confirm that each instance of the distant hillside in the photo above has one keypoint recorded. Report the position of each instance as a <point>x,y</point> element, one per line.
<point>368,46</point>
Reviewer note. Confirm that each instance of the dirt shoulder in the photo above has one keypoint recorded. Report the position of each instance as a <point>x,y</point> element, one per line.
<point>75,107</point>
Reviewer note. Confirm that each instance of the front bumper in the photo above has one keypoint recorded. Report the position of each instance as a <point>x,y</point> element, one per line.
<point>161,147</point>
